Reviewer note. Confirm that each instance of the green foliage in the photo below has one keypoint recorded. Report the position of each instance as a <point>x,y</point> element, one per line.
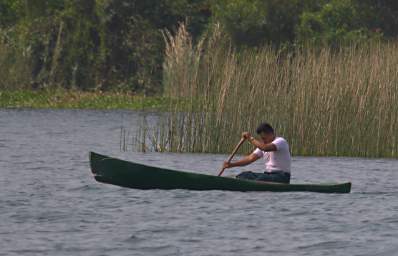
<point>337,22</point>
<point>97,44</point>
<point>244,20</point>
<point>257,22</point>
<point>132,47</point>
<point>8,13</point>
<point>119,44</point>
<point>15,64</point>
<point>381,16</point>
<point>132,39</point>
<point>79,44</point>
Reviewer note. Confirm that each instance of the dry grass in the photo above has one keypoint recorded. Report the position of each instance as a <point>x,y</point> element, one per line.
<point>336,103</point>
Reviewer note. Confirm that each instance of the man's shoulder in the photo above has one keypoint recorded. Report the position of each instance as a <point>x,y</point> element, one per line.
<point>279,139</point>
<point>280,143</point>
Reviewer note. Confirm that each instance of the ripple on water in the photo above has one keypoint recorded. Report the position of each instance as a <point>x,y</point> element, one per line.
<point>51,205</point>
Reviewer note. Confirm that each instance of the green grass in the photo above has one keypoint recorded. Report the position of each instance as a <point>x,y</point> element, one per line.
<point>73,99</point>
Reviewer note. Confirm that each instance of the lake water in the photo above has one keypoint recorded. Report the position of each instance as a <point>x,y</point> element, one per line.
<point>51,205</point>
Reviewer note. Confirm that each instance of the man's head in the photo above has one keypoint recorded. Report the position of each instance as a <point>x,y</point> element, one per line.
<point>266,132</point>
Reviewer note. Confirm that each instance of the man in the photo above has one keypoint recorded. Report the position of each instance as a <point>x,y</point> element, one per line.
<point>274,150</point>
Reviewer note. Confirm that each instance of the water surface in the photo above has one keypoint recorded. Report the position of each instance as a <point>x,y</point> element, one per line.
<point>51,205</point>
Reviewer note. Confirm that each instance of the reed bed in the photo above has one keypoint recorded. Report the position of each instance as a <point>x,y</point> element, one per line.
<point>326,102</point>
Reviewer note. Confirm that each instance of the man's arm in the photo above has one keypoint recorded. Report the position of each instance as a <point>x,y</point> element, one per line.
<point>244,161</point>
<point>261,145</point>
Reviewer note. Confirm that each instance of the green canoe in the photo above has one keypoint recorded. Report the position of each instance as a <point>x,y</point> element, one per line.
<point>133,175</point>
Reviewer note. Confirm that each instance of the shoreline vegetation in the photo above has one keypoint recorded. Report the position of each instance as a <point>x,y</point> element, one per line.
<point>323,73</point>
<point>77,99</point>
<point>326,102</point>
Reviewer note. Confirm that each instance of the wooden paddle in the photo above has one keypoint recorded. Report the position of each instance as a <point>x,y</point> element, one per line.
<point>233,154</point>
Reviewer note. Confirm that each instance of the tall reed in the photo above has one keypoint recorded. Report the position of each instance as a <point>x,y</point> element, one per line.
<point>325,102</point>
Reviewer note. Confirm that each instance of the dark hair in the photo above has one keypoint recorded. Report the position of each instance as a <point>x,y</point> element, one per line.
<point>265,128</point>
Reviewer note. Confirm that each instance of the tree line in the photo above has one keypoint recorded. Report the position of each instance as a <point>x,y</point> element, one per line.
<point>119,44</point>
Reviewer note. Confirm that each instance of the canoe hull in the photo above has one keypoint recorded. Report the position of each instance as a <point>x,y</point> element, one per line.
<point>133,175</point>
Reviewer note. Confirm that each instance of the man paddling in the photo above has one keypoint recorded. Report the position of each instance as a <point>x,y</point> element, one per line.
<point>274,150</point>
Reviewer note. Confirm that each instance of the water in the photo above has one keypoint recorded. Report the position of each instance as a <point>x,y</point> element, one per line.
<point>51,205</point>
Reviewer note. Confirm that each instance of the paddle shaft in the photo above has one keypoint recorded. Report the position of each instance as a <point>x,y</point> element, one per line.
<point>233,154</point>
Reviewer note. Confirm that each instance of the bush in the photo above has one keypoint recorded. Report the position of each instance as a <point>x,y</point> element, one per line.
<point>93,44</point>
<point>337,22</point>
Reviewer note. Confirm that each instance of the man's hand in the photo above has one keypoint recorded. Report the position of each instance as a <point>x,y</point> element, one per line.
<point>246,135</point>
<point>226,165</point>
